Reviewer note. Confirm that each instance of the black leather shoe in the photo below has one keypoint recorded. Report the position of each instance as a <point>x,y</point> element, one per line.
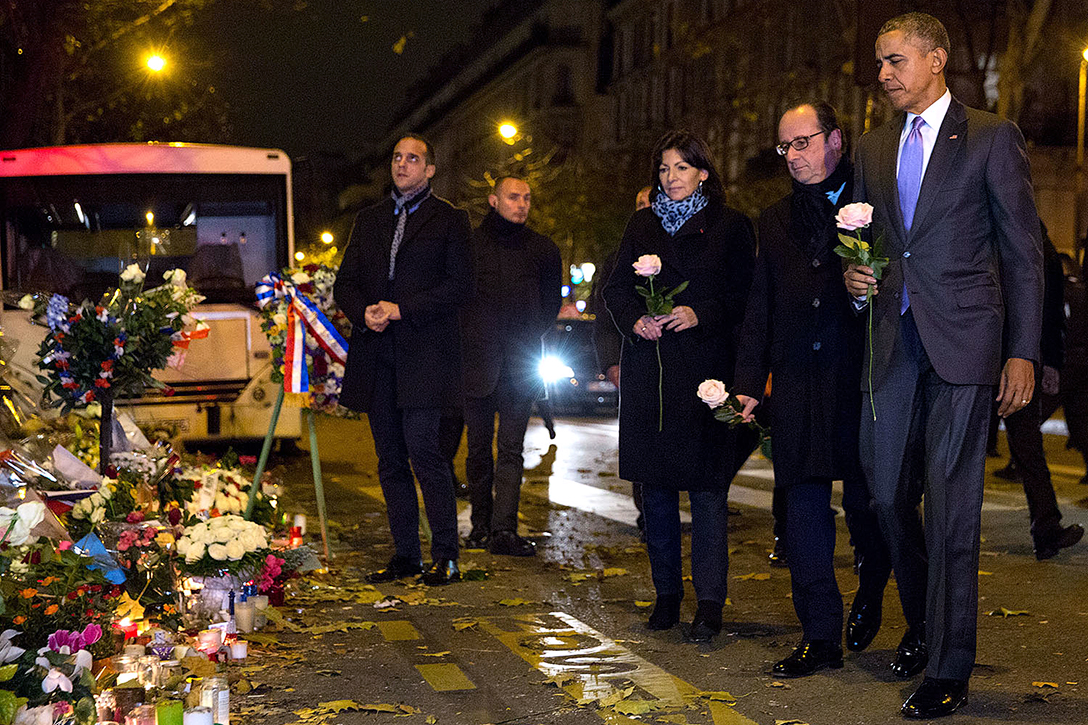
<point>507,543</point>
<point>397,568</point>
<point>707,623</point>
<point>863,622</point>
<point>808,658</point>
<point>912,654</point>
<point>665,615</point>
<point>936,698</point>
<point>1049,547</point>
<point>1008,473</point>
<point>443,571</point>
<point>476,540</point>
<point>777,557</point>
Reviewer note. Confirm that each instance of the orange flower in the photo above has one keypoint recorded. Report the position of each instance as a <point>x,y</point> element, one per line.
<point>51,609</point>
<point>19,620</point>
<point>28,593</point>
<point>48,580</point>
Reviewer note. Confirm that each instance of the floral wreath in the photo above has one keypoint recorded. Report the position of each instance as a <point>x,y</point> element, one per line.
<point>57,358</point>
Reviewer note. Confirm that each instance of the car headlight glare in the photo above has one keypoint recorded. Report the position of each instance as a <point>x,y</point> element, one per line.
<point>552,369</point>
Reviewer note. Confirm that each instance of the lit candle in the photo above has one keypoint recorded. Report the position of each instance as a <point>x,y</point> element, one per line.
<point>239,650</point>
<point>300,523</point>
<point>243,615</point>
<point>210,639</point>
<point>127,626</point>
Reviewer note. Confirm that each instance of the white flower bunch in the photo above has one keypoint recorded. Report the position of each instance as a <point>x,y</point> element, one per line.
<point>225,538</point>
<point>93,508</point>
<point>132,273</point>
<point>230,491</point>
<point>15,524</point>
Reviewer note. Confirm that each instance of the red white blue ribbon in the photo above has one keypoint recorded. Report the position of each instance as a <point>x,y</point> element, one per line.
<point>303,316</point>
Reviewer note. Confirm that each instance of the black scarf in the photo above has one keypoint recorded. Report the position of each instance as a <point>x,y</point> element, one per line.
<point>500,228</point>
<point>813,208</point>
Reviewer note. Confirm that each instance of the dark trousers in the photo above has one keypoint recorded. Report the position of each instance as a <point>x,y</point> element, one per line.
<point>1074,397</point>
<point>810,533</point>
<point>495,483</point>
<point>922,418</point>
<point>1025,438</point>
<point>407,440</point>
<point>709,547</point>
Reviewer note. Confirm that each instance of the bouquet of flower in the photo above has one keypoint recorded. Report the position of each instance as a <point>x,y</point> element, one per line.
<point>658,303</point>
<point>324,371</point>
<point>855,250</point>
<point>113,501</point>
<point>728,409</point>
<point>226,544</point>
<point>53,685</point>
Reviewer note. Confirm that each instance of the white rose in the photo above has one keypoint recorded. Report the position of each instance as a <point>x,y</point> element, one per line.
<point>219,522</point>
<point>217,552</point>
<point>253,541</point>
<point>195,553</point>
<point>26,302</point>
<point>713,393</point>
<point>235,550</point>
<point>98,516</point>
<point>224,535</point>
<point>232,490</point>
<point>133,273</point>
<point>183,546</point>
<point>105,491</point>
<point>175,277</point>
<point>279,318</point>
<point>96,500</point>
<point>300,278</point>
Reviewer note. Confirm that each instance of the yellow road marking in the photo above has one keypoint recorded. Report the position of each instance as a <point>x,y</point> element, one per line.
<point>398,631</point>
<point>445,677</point>
<point>594,667</point>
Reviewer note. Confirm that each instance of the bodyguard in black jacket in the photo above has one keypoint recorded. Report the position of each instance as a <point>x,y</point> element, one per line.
<point>518,274</point>
<point>405,273</point>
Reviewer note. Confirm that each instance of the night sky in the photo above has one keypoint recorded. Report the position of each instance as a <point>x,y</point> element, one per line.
<point>320,79</point>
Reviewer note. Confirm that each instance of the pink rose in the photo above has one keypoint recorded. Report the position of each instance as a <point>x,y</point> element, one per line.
<point>854,216</point>
<point>713,393</point>
<point>647,265</point>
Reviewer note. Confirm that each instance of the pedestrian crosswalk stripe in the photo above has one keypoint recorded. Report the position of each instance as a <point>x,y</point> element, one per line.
<point>398,631</point>
<point>445,677</point>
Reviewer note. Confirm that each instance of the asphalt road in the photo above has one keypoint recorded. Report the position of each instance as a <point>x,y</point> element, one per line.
<point>484,651</point>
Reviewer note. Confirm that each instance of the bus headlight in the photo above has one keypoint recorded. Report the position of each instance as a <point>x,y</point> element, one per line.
<point>553,369</point>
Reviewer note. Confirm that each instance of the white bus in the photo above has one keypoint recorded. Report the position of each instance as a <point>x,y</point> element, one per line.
<point>72,216</point>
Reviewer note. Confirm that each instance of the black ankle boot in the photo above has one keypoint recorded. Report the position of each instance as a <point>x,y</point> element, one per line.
<point>666,613</point>
<point>707,623</point>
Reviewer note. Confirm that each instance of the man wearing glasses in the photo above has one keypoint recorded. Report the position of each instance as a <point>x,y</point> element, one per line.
<point>801,328</point>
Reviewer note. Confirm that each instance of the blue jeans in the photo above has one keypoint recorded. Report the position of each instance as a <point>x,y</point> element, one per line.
<point>709,546</point>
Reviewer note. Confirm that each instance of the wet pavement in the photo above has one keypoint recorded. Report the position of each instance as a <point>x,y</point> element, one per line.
<point>560,638</point>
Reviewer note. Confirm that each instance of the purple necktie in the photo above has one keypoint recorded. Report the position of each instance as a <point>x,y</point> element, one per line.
<point>910,182</point>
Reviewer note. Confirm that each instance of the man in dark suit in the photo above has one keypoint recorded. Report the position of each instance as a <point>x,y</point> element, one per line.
<point>405,273</point>
<point>518,274</point>
<point>801,328</point>
<point>951,192</point>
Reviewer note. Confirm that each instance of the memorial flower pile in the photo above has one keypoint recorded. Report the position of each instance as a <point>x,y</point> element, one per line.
<point>227,544</point>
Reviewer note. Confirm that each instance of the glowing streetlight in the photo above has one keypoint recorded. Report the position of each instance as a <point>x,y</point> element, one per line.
<point>508,130</point>
<point>156,62</point>
<point>1080,108</point>
<point>150,216</point>
<point>299,256</point>
<point>326,237</point>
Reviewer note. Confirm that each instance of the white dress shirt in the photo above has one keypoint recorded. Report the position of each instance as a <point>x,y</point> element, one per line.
<point>933,117</point>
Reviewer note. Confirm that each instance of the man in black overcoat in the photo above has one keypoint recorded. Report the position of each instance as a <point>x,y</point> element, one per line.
<point>518,273</point>
<point>800,326</point>
<point>405,274</point>
<point>956,324</point>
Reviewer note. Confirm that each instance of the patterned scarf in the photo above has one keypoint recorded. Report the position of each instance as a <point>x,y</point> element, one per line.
<point>674,214</point>
<point>403,206</point>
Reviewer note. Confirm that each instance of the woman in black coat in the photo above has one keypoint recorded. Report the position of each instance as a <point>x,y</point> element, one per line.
<point>677,445</point>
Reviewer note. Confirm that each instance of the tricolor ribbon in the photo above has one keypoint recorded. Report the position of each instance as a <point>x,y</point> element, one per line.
<point>302,315</point>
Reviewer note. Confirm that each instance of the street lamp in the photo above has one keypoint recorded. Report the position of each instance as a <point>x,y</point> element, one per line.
<point>156,62</point>
<point>1080,108</point>
<point>508,130</point>
<point>326,237</point>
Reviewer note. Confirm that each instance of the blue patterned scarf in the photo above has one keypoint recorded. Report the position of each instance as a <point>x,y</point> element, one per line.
<point>675,214</point>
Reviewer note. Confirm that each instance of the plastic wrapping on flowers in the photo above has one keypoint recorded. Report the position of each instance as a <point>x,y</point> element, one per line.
<point>325,375</point>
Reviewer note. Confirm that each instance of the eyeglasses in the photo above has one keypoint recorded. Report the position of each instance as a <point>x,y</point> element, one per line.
<point>799,144</point>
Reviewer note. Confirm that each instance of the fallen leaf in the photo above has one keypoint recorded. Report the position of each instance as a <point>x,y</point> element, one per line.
<point>329,673</point>
<point>636,707</point>
<point>718,696</point>
<point>755,576</point>
<point>558,680</point>
<point>613,571</point>
<point>1003,612</point>
<point>436,654</point>
<point>639,603</point>
<point>776,683</point>
<point>789,722</point>
<point>475,575</point>
<point>1045,684</point>
<point>431,720</point>
<point>985,573</point>
<point>616,697</point>
<point>514,602</point>
<point>460,625</point>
